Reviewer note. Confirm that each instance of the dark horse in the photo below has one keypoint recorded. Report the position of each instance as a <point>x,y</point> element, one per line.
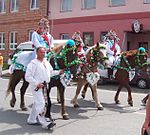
<point>66,59</point>
<point>68,56</point>
<point>89,73</point>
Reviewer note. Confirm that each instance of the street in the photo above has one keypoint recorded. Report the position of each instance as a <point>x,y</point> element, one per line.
<point>113,120</point>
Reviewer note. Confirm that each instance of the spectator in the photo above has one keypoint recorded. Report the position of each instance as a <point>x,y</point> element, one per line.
<point>1,64</point>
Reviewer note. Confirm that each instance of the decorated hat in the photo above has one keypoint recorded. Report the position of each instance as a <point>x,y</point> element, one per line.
<point>44,22</point>
<point>70,43</point>
<point>113,33</point>
<point>142,50</point>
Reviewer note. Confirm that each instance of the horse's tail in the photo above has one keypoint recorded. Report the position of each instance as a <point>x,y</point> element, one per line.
<point>8,88</point>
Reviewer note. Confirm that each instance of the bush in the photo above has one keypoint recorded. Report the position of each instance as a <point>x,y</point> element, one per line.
<point>5,66</point>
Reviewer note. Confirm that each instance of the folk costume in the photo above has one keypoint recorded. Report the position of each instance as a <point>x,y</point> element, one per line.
<point>40,38</point>
<point>79,43</point>
<point>39,72</point>
<point>113,50</point>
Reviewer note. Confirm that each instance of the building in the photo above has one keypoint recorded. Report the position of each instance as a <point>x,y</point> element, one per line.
<point>130,19</point>
<point>93,18</point>
<point>18,19</point>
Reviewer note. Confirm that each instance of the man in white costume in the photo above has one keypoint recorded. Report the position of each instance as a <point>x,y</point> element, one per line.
<point>113,50</point>
<point>38,71</point>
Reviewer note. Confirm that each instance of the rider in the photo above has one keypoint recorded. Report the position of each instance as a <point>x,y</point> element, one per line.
<point>79,43</point>
<point>113,50</point>
<point>41,36</point>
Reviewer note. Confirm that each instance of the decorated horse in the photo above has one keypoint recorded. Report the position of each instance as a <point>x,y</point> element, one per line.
<point>66,59</point>
<point>20,62</point>
<point>124,71</point>
<point>88,73</point>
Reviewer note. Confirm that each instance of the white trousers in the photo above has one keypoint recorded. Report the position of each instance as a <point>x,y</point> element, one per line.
<point>38,108</point>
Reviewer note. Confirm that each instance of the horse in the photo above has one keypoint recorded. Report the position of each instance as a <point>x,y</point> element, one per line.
<point>124,71</point>
<point>17,69</point>
<point>89,73</point>
<point>66,59</point>
<point>128,61</point>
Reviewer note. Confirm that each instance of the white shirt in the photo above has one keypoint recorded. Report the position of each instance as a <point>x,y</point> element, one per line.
<point>38,72</point>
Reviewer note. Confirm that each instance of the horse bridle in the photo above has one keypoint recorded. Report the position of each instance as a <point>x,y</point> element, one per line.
<point>137,61</point>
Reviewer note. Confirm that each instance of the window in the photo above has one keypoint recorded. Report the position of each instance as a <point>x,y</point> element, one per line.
<point>88,4</point>
<point>64,36</point>
<point>88,38</point>
<point>66,5</point>
<point>146,1</point>
<point>34,4</point>
<point>2,41</point>
<point>14,5</point>
<point>144,44</point>
<point>30,34</point>
<point>102,36</point>
<point>2,6</point>
<point>117,2</point>
<point>13,40</point>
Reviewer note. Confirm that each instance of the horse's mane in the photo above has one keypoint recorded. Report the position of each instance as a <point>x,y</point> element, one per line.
<point>101,45</point>
<point>129,53</point>
<point>58,48</point>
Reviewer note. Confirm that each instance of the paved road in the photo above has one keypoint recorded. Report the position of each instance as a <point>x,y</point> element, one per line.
<point>113,120</point>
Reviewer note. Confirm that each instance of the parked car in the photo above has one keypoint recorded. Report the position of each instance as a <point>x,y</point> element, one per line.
<point>141,79</point>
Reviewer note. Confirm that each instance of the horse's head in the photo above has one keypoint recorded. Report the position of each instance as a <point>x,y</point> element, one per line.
<point>97,54</point>
<point>70,58</point>
<point>136,58</point>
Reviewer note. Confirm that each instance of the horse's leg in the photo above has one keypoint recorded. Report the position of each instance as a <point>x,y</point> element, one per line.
<point>144,100</point>
<point>130,101</point>
<point>95,96</point>
<point>61,89</point>
<point>84,90</point>
<point>117,94</point>
<point>74,100</point>
<point>14,81</point>
<point>58,95</point>
<point>22,91</point>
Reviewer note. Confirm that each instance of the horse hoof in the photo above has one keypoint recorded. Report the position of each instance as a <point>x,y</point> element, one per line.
<point>12,103</point>
<point>24,108</point>
<point>100,108</point>
<point>76,106</point>
<point>143,103</point>
<point>65,116</point>
<point>130,103</point>
<point>117,101</point>
<point>58,101</point>
<point>82,95</point>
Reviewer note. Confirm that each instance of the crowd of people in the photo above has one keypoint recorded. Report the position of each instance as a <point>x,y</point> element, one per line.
<point>39,71</point>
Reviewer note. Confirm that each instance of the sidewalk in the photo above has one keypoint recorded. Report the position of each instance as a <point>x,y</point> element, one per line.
<point>5,73</point>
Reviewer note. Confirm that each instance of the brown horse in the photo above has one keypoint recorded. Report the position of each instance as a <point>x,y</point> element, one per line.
<point>128,61</point>
<point>66,59</point>
<point>94,55</point>
<point>19,74</point>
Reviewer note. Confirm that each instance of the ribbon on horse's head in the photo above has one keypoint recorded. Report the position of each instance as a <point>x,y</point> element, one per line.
<point>141,52</point>
<point>137,53</point>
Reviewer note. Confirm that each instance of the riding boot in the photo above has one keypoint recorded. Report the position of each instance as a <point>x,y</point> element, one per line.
<point>110,73</point>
